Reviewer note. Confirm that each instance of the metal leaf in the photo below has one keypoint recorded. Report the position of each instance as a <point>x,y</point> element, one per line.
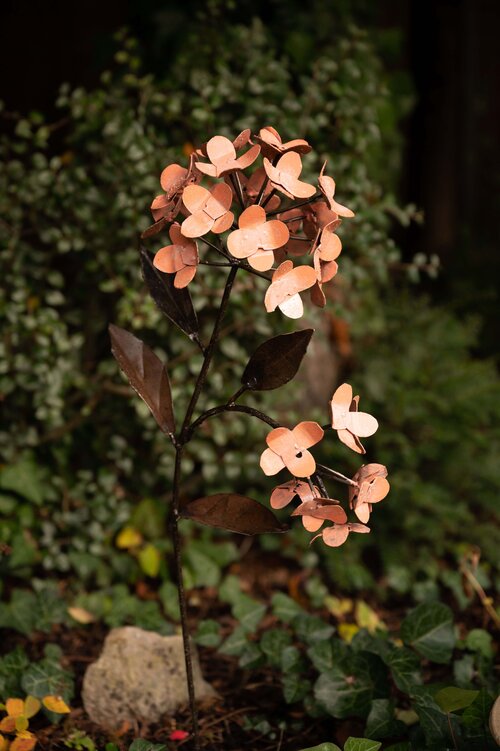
<point>237,513</point>
<point>276,361</point>
<point>147,375</point>
<point>175,303</point>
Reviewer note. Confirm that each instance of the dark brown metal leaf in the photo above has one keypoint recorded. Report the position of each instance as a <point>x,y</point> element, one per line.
<point>276,361</point>
<point>175,303</point>
<point>237,513</point>
<point>147,375</point>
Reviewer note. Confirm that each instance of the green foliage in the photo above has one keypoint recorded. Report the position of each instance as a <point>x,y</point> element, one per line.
<point>429,630</point>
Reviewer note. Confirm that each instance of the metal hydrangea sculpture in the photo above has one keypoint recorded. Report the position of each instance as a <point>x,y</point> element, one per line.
<point>274,225</point>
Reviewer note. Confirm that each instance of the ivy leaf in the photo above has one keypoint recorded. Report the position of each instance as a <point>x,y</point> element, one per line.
<point>323,747</point>
<point>349,687</point>
<point>380,722</point>
<point>361,744</point>
<point>405,668</point>
<point>429,630</point>
<point>237,513</point>
<point>452,699</point>
<point>437,725</point>
<point>276,361</point>
<point>149,560</point>
<point>146,373</point>
<point>47,678</point>
<point>476,718</point>
<point>175,303</point>
<point>141,744</point>
<point>208,633</point>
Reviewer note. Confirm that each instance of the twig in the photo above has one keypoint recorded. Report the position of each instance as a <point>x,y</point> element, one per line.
<point>314,198</point>
<point>327,472</point>
<point>485,600</point>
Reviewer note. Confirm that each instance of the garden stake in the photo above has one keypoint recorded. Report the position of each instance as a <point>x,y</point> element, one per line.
<point>254,245</point>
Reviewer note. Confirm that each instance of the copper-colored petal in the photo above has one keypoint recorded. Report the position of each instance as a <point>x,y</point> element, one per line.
<point>219,201</point>
<point>298,145</point>
<point>176,235</point>
<point>307,434</point>
<point>317,510</point>
<point>253,216</point>
<point>351,441</point>
<point>287,281</point>
<point>291,165</point>
<point>242,139</point>
<point>173,178</point>
<point>283,494</point>
<point>361,424</point>
<point>318,296</point>
<point>185,276</point>
<point>340,403</point>
<point>248,158</point>
<point>374,491</point>
<point>301,464</point>
<point>263,260</point>
<point>270,462</point>
<point>293,307</point>
<point>273,235</point>
<point>195,197</point>
<point>305,493</point>
<point>211,170</point>
<point>360,528</point>
<point>169,259</point>
<point>220,150</point>
<point>312,524</point>
<point>335,536</point>
<point>280,440</point>
<point>363,511</point>
<point>197,224</point>
<point>330,246</point>
<point>297,188</point>
<point>223,223</point>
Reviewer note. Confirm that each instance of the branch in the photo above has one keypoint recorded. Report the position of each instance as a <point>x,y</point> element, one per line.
<point>315,197</point>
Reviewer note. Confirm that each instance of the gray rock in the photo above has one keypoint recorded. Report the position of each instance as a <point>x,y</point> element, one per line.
<point>139,676</point>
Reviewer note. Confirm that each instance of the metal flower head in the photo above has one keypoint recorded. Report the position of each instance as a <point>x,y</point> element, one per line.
<point>285,176</point>
<point>317,216</point>
<point>327,187</point>
<point>286,284</point>
<point>272,144</point>
<point>256,238</point>
<point>283,494</point>
<point>338,534</point>
<point>289,448</point>
<point>316,511</point>
<point>371,487</point>
<point>181,258</point>
<point>209,209</point>
<point>348,422</point>
<point>173,180</point>
<point>223,160</point>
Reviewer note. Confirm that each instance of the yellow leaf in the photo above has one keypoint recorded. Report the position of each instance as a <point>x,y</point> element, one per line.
<point>25,741</point>
<point>14,707</point>
<point>8,724</point>
<point>31,706</point>
<point>149,560</point>
<point>408,716</point>
<point>55,704</point>
<point>129,537</point>
<point>347,631</point>
<point>338,607</point>
<point>80,615</point>
<point>21,723</point>
<point>367,618</point>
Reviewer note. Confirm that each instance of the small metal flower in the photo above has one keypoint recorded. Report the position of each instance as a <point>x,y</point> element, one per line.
<point>222,155</point>
<point>348,422</point>
<point>256,238</point>
<point>287,282</point>
<point>338,534</point>
<point>289,448</point>
<point>326,251</point>
<point>327,187</point>
<point>173,180</point>
<point>283,494</point>
<point>317,216</point>
<point>371,487</point>
<point>209,209</point>
<point>318,510</point>
<point>252,187</point>
<point>181,258</point>
<point>284,176</point>
<point>271,143</point>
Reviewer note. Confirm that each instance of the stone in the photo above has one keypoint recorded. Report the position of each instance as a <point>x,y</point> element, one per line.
<point>139,676</point>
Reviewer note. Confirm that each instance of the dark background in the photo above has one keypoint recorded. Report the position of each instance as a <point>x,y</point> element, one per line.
<point>452,154</point>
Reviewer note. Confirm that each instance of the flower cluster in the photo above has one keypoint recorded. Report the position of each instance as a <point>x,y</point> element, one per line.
<point>259,220</point>
<point>278,226</point>
<point>290,449</point>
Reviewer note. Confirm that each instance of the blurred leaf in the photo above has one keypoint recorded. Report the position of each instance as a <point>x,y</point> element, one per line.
<point>149,560</point>
<point>361,744</point>
<point>451,699</point>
